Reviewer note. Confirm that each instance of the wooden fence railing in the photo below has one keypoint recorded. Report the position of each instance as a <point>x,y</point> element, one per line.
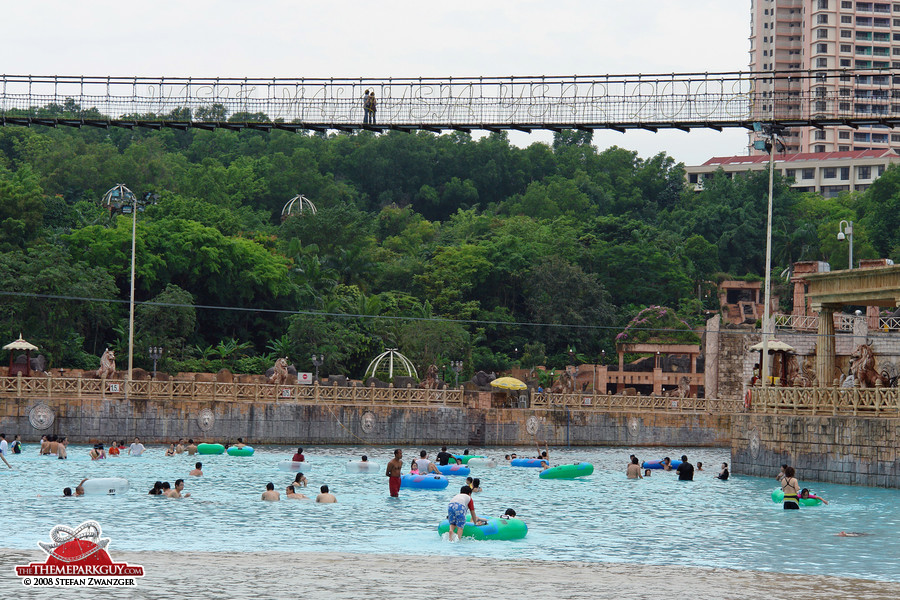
<point>51,387</point>
<point>621,403</point>
<point>204,391</point>
<point>877,401</point>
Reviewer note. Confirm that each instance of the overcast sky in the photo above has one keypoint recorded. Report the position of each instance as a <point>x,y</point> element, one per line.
<point>399,38</point>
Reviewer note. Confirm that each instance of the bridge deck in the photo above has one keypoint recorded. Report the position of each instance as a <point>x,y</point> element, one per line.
<point>619,102</point>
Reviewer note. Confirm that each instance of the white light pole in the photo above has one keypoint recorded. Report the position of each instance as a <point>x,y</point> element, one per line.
<point>771,130</point>
<point>122,199</point>
<point>846,227</point>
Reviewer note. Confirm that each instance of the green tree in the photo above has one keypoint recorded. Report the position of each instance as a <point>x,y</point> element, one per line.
<point>21,208</point>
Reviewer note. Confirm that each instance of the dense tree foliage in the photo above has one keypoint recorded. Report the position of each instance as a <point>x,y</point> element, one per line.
<point>445,246</point>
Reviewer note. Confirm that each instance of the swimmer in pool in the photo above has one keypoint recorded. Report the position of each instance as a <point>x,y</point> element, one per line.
<point>851,534</point>
<point>291,492</point>
<point>240,443</point>
<point>270,494</point>
<point>136,448</point>
<point>393,471</point>
<point>544,456</point>
<point>300,480</point>
<point>191,448</point>
<point>179,448</point>
<point>723,474</point>
<point>456,512</point>
<point>97,453</point>
<point>509,514</point>
<point>805,493</point>
<point>176,491</point>
<point>79,489</point>
<point>198,470</point>
<point>325,497</point>
<point>634,469</point>
<point>425,465</point>
<point>476,485</point>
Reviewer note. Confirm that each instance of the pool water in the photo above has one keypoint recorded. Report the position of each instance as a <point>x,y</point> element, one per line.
<point>602,518</point>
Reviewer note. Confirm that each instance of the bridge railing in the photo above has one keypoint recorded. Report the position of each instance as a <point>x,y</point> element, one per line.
<point>63,387</point>
<point>878,401</point>
<point>622,403</point>
<point>649,101</point>
<point>47,388</point>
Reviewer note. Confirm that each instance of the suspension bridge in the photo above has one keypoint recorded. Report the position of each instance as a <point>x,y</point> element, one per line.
<point>619,102</point>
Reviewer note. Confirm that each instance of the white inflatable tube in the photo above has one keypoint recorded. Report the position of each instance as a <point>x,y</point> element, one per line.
<point>105,486</point>
<point>358,466</point>
<point>295,467</point>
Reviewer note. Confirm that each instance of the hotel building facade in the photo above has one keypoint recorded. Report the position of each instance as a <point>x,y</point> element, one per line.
<point>819,38</point>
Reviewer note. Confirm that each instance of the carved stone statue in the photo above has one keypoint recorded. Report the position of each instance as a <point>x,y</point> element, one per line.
<point>792,372</point>
<point>107,364</point>
<point>280,376</point>
<point>808,371</point>
<point>682,391</point>
<point>564,385</point>
<point>431,381</point>
<point>482,379</point>
<point>863,367</point>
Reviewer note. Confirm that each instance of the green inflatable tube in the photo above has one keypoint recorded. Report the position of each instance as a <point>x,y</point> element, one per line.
<point>210,448</point>
<point>496,529</point>
<point>778,497</point>
<point>582,469</point>
<point>464,458</point>
<point>245,451</point>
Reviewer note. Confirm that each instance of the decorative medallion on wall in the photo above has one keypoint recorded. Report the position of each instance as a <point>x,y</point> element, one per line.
<point>368,421</point>
<point>531,425</point>
<point>754,444</point>
<point>41,416</point>
<point>206,419</point>
<point>634,426</point>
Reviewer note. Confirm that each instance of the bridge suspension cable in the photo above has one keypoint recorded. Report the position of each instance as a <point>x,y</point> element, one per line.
<point>620,102</point>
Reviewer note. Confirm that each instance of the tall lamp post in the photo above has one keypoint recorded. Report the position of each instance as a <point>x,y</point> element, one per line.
<point>155,353</point>
<point>846,227</point>
<point>120,198</point>
<point>457,366</point>
<point>769,142</point>
<point>317,360</point>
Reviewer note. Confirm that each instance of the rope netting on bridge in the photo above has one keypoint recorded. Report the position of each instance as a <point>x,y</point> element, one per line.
<point>682,101</point>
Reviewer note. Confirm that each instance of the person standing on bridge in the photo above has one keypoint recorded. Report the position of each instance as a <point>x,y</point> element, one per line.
<point>366,108</point>
<point>369,104</point>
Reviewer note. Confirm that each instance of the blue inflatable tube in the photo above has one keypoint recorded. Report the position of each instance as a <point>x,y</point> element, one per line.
<point>424,482</point>
<point>461,470</point>
<point>527,462</point>
<point>658,464</point>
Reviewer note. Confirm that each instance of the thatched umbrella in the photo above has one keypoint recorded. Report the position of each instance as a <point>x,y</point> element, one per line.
<point>21,344</point>
<point>775,347</point>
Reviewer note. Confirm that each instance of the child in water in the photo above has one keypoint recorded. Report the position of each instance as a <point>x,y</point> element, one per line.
<point>805,493</point>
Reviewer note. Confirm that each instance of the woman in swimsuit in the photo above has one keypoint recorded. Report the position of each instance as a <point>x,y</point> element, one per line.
<point>791,488</point>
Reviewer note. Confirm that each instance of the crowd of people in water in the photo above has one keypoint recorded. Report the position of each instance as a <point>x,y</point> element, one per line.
<point>461,504</point>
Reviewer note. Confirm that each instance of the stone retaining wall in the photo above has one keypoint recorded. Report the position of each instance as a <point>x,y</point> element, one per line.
<point>849,450</point>
<point>85,421</point>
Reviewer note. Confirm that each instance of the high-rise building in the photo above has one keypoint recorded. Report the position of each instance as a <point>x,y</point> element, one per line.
<point>819,38</point>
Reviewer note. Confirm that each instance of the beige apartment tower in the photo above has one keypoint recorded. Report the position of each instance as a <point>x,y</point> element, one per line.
<point>820,38</point>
